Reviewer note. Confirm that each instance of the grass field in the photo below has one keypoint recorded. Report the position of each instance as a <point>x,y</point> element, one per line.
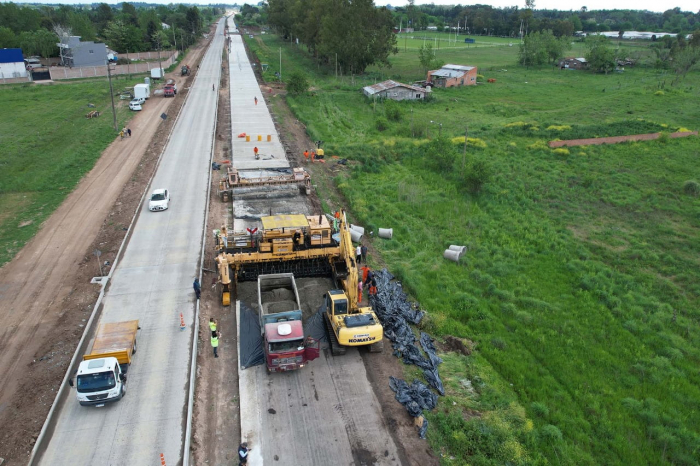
<point>47,147</point>
<point>580,286</point>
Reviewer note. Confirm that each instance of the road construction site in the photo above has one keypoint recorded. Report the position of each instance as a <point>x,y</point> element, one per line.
<point>326,412</point>
<point>335,410</point>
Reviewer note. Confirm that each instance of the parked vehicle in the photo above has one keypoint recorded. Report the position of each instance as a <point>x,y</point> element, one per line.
<point>142,90</point>
<point>185,70</point>
<point>157,73</point>
<point>138,100</point>
<point>284,344</point>
<point>135,106</point>
<point>101,376</point>
<point>170,89</point>
<point>160,200</point>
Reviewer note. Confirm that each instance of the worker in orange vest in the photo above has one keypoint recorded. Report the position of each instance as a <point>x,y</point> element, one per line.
<point>255,149</point>
<point>306,155</point>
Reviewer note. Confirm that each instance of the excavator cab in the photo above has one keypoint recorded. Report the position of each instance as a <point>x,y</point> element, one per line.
<point>336,303</point>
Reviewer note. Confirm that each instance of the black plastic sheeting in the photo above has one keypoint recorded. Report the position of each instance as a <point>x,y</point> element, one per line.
<point>251,341</point>
<point>415,398</point>
<point>315,326</point>
<point>396,312</point>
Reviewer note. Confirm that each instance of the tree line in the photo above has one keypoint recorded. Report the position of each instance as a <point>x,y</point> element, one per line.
<point>36,29</point>
<point>349,34</point>
<point>487,20</point>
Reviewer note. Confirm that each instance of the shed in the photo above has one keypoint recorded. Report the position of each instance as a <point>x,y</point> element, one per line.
<point>453,75</point>
<point>12,64</point>
<point>572,63</point>
<point>395,91</point>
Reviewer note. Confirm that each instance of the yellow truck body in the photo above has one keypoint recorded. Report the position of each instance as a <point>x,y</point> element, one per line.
<point>116,340</point>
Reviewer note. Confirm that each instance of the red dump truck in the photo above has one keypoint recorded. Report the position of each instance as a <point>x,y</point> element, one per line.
<point>170,89</point>
<point>284,344</point>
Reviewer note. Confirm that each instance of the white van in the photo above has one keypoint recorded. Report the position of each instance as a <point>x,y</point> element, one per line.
<point>135,106</point>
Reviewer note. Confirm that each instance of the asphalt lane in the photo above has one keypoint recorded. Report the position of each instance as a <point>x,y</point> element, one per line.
<point>153,283</point>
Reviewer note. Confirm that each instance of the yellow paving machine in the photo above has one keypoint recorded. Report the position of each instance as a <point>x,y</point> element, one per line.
<point>306,246</point>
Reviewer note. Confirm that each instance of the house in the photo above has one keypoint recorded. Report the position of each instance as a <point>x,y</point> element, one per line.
<point>75,53</point>
<point>395,91</point>
<point>12,64</point>
<point>453,75</point>
<point>573,63</point>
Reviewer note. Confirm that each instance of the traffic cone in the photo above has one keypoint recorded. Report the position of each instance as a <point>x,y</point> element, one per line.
<point>182,322</point>
<point>162,457</point>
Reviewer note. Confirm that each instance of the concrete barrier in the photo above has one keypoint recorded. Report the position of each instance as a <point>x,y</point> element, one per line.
<point>386,233</point>
<point>452,255</point>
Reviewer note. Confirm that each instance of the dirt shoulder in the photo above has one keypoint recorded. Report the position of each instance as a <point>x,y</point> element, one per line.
<point>45,292</point>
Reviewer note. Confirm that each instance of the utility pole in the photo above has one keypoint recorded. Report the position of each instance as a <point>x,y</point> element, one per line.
<point>111,94</point>
<point>464,154</point>
<point>336,65</point>
<point>280,64</point>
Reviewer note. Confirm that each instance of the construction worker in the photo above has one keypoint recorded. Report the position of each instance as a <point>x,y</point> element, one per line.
<point>359,291</point>
<point>215,342</point>
<point>243,453</point>
<point>256,100</point>
<point>365,273</point>
<point>358,254</point>
<point>306,155</point>
<point>212,325</point>
<point>373,286</point>
<point>197,287</point>
<point>255,149</point>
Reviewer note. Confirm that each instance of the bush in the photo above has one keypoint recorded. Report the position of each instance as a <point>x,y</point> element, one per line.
<point>381,124</point>
<point>392,111</point>
<point>539,409</point>
<point>691,188</point>
<point>478,174</point>
<point>297,84</point>
<point>551,434</point>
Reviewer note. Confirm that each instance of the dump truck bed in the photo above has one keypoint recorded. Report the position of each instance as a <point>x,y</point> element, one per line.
<point>115,339</point>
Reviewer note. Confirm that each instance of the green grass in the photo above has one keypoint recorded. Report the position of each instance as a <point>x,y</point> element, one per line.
<point>48,146</point>
<point>580,284</point>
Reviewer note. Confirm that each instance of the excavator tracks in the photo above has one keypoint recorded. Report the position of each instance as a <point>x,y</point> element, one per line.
<point>336,348</point>
<point>377,347</point>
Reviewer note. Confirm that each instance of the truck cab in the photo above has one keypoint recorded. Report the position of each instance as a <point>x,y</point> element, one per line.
<point>285,346</point>
<point>100,381</point>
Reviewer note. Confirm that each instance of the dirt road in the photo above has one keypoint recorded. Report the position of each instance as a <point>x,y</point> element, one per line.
<point>45,291</point>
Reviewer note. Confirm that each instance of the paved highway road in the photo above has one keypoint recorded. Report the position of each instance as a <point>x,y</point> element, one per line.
<point>153,283</point>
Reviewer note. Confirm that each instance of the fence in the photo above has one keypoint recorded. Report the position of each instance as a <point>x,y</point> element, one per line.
<point>58,73</point>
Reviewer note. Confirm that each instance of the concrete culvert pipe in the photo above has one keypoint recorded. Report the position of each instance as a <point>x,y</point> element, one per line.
<point>460,249</point>
<point>357,228</point>
<point>452,255</point>
<point>386,233</point>
<point>355,235</point>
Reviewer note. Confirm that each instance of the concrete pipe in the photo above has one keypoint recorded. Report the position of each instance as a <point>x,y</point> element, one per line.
<point>452,255</point>
<point>460,249</point>
<point>386,233</point>
<point>357,228</point>
<point>356,236</point>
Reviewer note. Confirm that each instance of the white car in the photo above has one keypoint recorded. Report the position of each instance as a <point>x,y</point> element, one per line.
<point>138,100</point>
<point>135,106</point>
<point>160,199</point>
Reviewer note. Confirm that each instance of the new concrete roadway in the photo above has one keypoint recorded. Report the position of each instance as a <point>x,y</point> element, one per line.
<point>153,283</point>
<point>327,412</point>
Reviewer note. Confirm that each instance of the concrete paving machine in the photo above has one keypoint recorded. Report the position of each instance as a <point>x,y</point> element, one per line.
<point>305,246</point>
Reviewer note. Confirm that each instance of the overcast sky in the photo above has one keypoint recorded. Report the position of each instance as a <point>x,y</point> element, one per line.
<point>651,5</point>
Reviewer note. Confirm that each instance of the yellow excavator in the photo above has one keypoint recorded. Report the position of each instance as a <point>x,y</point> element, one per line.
<point>306,247</point>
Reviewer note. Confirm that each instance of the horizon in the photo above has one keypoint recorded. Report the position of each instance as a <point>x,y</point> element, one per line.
<point>591,5</point>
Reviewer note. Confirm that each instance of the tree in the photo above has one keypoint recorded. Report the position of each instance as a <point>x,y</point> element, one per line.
<point>600,56</point>
<point>427,58</point>
<point>297,84</point>
<point>539,48</point>
<point>8,39</point>
<point>116,35</point>
<point>478,174</point>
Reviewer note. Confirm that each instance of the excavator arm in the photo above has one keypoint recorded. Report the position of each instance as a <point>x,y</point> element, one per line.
<point>347,255</point>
